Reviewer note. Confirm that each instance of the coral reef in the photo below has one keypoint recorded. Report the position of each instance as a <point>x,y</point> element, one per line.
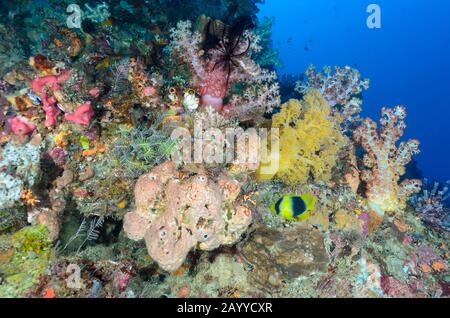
<point>213,80</point>
<point>136,150</point>
<point>132,158</point>
<point>24,257</point>
<point>279,255</point>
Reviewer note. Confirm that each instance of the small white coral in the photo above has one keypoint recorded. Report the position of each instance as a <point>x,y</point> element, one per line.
<point>191,101</point>
<point>20,169</point>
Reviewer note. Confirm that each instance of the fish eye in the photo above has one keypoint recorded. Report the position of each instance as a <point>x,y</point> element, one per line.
<point>152,177</point>
<point>205,236</point>
<point>162,233</point>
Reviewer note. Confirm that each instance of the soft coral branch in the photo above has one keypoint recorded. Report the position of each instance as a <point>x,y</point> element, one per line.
<point>385,162</point>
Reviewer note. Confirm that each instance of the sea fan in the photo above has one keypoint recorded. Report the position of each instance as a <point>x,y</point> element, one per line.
<point>120,84</point>
<point>90,232</point>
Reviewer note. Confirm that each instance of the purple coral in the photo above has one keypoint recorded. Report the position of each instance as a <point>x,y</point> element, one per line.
<point>364,218</point>
<point>430,205</point>
<point>4,86</point>
<point>58,155</point>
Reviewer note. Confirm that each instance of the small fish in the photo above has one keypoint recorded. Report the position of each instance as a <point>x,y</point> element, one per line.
<point>294,207</point>
<point>35,99</point>
<point>306,48</point>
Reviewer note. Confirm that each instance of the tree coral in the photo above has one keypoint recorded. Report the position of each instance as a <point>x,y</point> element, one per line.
<point>310,140</point>
<point>340,88</point>
<point>386,162</point>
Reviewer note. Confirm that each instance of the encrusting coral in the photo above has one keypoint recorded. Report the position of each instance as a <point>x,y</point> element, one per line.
<point>174,215</point>
<point>19,170</point>
<point>386,162</point>
<point>310,140</point>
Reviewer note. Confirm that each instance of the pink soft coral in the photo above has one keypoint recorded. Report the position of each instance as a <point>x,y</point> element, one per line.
<point>213,78</point>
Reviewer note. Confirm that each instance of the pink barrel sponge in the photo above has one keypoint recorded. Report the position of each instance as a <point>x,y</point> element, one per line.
<point>21,126</point>
<point>174,216</point>
<point>83,115</point>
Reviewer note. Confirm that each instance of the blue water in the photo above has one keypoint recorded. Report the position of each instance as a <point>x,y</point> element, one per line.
<point>407,60</point>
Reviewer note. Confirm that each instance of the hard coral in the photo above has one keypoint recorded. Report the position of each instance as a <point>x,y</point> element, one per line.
<point>176,215</point>
<point>386,161</point>
<point>281,255</point>
<point>310,140</point>
<point>28,259</point>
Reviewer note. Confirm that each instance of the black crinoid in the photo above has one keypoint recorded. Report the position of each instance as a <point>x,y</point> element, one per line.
<point>228,41</point>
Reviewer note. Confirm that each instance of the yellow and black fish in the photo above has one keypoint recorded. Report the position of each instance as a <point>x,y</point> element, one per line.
<point>294,207</point>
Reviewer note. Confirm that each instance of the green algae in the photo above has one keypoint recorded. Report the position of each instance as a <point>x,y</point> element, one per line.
<point>24,256</point>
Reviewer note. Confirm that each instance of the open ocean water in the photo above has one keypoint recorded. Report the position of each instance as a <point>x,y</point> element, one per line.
<point>407,59</point>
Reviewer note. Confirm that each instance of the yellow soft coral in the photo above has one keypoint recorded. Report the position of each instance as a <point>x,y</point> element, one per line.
<point>310,140</point>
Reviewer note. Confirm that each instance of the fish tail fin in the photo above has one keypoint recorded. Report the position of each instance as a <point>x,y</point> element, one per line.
<point>303,216</point>
<point>272,208</point>
<point>310,201</point>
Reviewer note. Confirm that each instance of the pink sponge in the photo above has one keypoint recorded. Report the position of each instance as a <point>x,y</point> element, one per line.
<point>51,81</point>
<point>51,111</point>
<point>83,115</point>
<point>21,126</point>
